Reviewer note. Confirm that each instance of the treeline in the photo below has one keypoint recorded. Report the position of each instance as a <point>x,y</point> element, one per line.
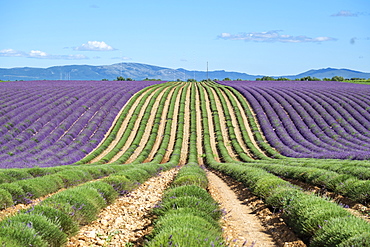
<point>309,78</point>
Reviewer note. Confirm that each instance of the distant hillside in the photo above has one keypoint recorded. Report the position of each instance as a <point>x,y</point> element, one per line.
<point>330,72</point>
<point>138,71</point>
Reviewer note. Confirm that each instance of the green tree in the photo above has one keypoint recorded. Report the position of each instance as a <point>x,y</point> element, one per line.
<point>337,78</point>
<point>191,80</point>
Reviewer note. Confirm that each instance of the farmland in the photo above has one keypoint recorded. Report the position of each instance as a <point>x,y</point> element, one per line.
<point>84,144</point>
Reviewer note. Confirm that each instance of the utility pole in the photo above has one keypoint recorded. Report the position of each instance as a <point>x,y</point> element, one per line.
<point>207,70</point>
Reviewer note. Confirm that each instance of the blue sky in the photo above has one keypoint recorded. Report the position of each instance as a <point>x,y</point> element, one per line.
<point>265,37</point>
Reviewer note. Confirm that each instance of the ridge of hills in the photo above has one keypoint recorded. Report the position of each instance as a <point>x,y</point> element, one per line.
<point>139,71</point>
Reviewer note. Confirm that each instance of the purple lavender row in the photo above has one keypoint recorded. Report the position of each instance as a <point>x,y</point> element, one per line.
<point>313,123</point>
<point>301,130</point>
<point>339,124</point>
<point>343,112</point>
<point>43,120</point>
<point>312,119</point>
<point>336,136</point>
<point>64,132</point>
<point>47,134</point>
<point>341,134</point>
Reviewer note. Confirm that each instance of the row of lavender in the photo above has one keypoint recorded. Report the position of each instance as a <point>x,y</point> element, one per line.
<point>312,119</point>
<point>48,123</point>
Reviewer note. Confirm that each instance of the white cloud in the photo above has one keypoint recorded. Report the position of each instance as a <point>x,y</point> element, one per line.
<point>95,46</point>
<point>272,36</point>
<point>11,53</point>
<point>39,55</point>
<point>122,58</point>
<point>345,13</point>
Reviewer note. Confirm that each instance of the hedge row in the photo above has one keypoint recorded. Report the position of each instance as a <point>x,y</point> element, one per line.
<point>58,217</point>
<point>322,222</point>
<point>23,191</point>
<point>187,214</point>
<point>343,184</point>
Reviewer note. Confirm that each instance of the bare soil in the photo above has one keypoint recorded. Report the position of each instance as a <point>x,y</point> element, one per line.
<point>148,129</point>
<point>211,129</point>
<point>248,218</point>
<point>14,209</point>
<point>161,128</point>
<point>185,140</point>
<point>127,220</point>
<point>135,128</point>
<point>199,127</point>
<point>246,123</point>
<point>120,132</point>
<point>355,208</point>
<point>223,126</point>
<point>173,128</point>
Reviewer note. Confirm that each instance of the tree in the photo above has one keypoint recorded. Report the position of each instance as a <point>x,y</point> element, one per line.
<point>120,78</point>
<point>337,78</point>
<point>191,80</point>
<point>266,78</point>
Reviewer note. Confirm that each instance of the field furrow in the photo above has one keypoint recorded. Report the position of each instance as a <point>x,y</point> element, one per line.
<point>89,150</point>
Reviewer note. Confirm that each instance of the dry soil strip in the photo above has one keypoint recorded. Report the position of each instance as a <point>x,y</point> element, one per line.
<point>355,208</point>
<point>272,222</point>
<point>237,128</point>
<point>161,127</point>
<point>199,127</point>
<point>14,209</point>
<point>148,129</point>
<point>135,128</point>
<point>224,131</point>
<point>240,226</point>
<point>127,220</point>
<point>210,125</point>
<point>120,131</point>
<point>185,139</point>
<point>173,127</point>
<point>246,122</point>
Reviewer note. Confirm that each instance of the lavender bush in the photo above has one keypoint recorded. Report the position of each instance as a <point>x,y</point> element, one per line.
<point>49,123</point>
<point>323,119</point>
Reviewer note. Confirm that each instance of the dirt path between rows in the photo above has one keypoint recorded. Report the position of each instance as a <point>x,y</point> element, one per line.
<point>185,138</point>
<point>355,208</point>
<point>134,129</point>
<point>127,220</point>
<point>210,126</point>
<point>7,212</point>
<point>240,225</point>
<point>248,221</point>
<point>148,129</point>
<point>171,143</point>
<point>161,127</point>
<point>199,126</point>
<point>237,130</point>
<point>120,131</point>
<point>246,122</point>
<point>224,131</point>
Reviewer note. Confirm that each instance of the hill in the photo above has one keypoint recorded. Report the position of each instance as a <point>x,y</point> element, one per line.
<point>138,71</point>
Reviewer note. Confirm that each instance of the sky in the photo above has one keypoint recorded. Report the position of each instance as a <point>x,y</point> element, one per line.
<point>265,37</point>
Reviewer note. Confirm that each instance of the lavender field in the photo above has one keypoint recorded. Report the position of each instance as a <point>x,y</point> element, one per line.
<point>50,123</point>
<point>325,119</point>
